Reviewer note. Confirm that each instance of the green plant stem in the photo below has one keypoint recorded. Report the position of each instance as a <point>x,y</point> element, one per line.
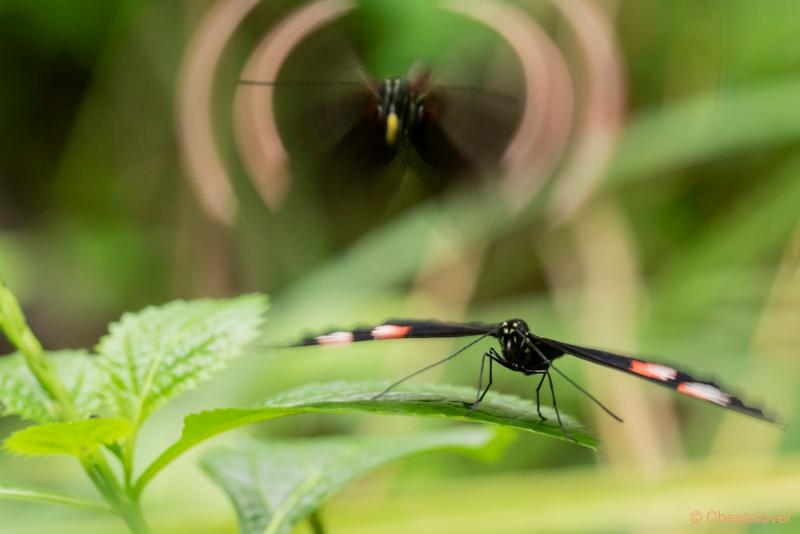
<point>315,521</point>
<point>124,504</point>
<point>33,496</point>
<point>43,371</point>
<point>123,501</point>
<point>13,323</point>
<point>134,518</point>
<point>127,462</point>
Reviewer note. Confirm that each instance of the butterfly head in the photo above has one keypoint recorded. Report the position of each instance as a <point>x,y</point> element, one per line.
<point>511,335</point>
<point>399,109</point>
<point>515,325</point>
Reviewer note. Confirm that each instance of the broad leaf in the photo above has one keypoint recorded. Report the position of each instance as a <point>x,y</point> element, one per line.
<point>432,400</point>
<point>158,353</point>
<point>85,381</point>
<point>716,247</point>
<point>707,126</point>
<point>78,438</point>
<point>32,495</point>
<point>21,394</point>
<point>275,485</point>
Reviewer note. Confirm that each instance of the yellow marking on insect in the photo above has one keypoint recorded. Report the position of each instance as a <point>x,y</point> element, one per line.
<point>392,123</point>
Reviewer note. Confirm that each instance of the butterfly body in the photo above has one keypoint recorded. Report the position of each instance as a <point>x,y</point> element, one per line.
<point>521,351</point>
<point>399,109</point>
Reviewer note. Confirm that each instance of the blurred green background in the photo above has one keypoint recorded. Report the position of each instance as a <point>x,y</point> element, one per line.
<point>689,247</point>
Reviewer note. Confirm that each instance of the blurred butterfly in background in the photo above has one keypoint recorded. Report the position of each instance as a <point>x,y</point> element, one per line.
<point>365,143</point>
<point>457,128</point>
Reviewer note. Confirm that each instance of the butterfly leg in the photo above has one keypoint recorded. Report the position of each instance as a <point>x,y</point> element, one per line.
<point>555,407</point>
<point>538,405</point>
<point>481,390</point>
<point>492,357</point>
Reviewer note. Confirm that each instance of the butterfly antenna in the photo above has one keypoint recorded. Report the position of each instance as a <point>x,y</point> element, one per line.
<point>480,91</point>
<point>274,83</point>
<point>568,379</point>
<point>431,366</point>
<point>594,399</point>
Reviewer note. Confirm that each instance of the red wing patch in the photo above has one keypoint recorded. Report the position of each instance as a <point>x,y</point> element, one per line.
<point>704,392</point>
<point>390,331</point>
<point>335,338</point>
<point>653,370</point>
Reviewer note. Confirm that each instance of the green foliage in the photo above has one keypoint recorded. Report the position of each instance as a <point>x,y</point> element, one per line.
<point>31,495</point>
<point>430,400</point>
<point>146,359</point>
<point>76,438</point>
<point>21,394</point>
<point>13,324</point>
<point>708,126</point>
<point>276,485</point>
<point>697,275</point>
<point>15,327</point>
<point>156,354</point>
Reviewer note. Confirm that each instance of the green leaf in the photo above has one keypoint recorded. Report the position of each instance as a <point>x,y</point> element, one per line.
<point>21,394</point>
<point>431,400</point>
<point>745,234</point>
<point>84,380</point>
<point>707,126</point>
<point>160,352</point>
<point>276,485</point>
<point>77,438</point>
<point>31,495</point>
<point>15,327</point>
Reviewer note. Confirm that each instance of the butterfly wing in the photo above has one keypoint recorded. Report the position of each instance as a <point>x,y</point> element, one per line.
<point>322,96</point>
<point>330,128</point>
<point>397,329</point>
<point>471,113</point>
<point>664,375</point>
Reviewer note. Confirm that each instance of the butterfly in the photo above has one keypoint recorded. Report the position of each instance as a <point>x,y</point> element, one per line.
<point>525,352</point>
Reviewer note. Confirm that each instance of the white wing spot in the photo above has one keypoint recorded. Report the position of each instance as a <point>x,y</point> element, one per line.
<point>704,392</point>
<point>335,338</point>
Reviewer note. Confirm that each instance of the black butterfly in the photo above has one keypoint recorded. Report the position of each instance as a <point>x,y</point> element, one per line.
<point>525,352</point>
<point>453,119</point>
